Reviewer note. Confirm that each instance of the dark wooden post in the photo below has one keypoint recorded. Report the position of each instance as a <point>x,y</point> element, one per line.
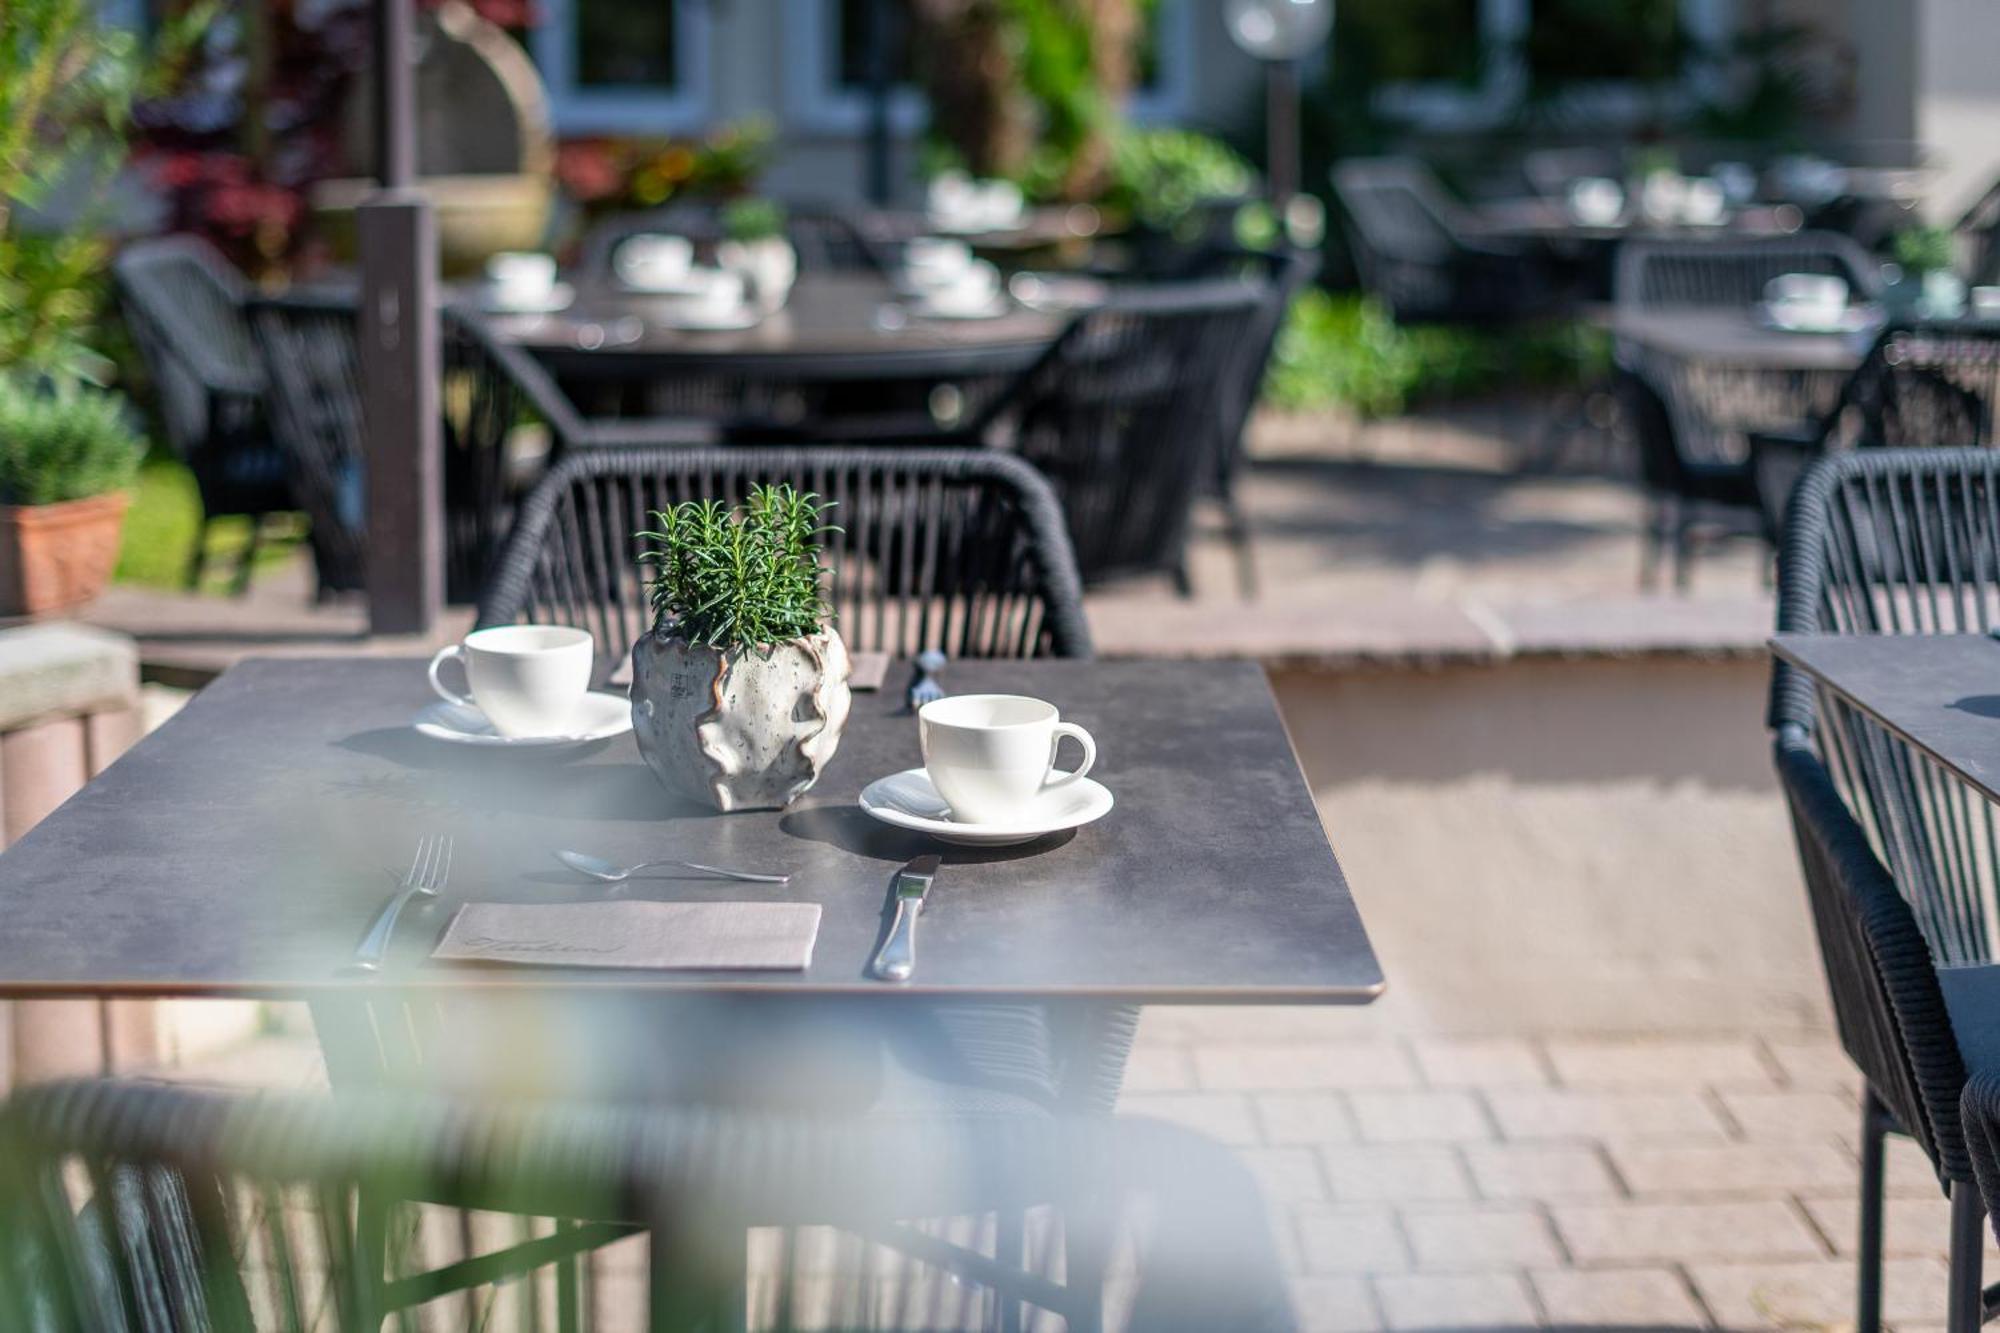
<point>879,81</point>
<point>399,350</point>
<point>1282,141</point>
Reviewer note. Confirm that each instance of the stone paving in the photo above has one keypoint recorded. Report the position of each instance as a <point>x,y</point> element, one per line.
<point>1423,1182</point>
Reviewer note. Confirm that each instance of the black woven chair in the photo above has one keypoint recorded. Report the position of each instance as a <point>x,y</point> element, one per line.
<point>1128,416</point>
<point>493,398</point>
<point>1979,239</point>
<point>1279,277</point>
<point>1892,542</point>
<point>137,1208</point>
<point>1419,254</point>
<point>962,551</point>
<point>1919,387</point>
<point>1691,420</point>
<point>184,306</point>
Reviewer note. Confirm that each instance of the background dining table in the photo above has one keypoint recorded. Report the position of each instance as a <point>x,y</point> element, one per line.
<point>242,848</point>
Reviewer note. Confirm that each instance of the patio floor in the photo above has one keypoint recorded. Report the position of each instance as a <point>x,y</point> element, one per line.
<point>1421,1178</point>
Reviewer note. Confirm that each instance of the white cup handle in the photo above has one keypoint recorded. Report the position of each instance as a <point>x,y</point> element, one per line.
<point>456,650</point>
<point>1057,779</point>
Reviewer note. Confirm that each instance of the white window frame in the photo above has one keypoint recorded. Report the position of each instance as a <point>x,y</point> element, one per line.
<point>630,110</point>
<point>1502,26</point>
<point>816,103</point>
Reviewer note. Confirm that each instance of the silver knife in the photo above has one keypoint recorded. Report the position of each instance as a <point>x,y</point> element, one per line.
<point>897,957</point>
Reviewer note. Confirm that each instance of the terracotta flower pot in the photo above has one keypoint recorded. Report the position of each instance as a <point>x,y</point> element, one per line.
<point>739,730</point>
<point>57,557</point>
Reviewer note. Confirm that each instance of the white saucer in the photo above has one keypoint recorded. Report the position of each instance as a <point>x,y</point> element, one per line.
<point>926,309</point>
<point>604,716</point>
<point>560,297</point>
<point>1852,320</point>
<point>909,801</point>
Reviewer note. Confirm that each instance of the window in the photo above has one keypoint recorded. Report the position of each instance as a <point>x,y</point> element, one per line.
<point>827,66</point>
<point>1461,64</point>
<point>624,66</point>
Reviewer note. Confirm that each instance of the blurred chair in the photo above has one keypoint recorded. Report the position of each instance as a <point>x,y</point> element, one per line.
<point>962,551</point>
<point>1129,416</point>
<point>1979,239</point>
<point>1919,386</point>
<point>1280,276</point>
<point>184,305</point>
<point>1691,418</point>
<point>1899,880</point>
<point>144,1208</point>
<point>1418,252</point>
<point>503,419</point>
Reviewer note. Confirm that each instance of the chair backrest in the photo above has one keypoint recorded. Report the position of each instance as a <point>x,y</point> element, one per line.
<point>184,306</point>
<point>488,392</point>
<point>1655,274</point>
<point>132,1208</point>
<point>1398,209</point>
<point>1125,416</point>
<point>959,550</point>
<point>1922,387</point>
<point>1885,541</point>
<point>1979,238</point>
<point>1279,275</point>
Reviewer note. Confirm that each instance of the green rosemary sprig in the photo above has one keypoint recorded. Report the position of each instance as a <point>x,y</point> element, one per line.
<point>747,577</point>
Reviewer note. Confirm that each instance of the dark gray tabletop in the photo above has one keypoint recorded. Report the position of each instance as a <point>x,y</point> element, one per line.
<point>242,847</point>
<point>1939,692</point>
<point>1736,337</point>
<point>828,318</point>
<point>1551,220</point>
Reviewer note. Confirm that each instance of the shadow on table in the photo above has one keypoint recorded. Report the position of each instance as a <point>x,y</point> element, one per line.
<point>1979,705</point>
<point>527,782</point>
<point>850,829</point>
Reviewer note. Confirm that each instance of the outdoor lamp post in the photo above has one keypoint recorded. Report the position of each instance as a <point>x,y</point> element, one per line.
<point>1280,33</point>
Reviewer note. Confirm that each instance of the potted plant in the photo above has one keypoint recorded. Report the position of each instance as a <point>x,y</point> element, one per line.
<point>67,453</point>
<point>756,247</point>
<point>739,692</point>
<point>1925,255</point>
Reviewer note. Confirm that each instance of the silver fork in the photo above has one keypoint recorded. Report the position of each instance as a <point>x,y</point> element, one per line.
<point>427,876</point>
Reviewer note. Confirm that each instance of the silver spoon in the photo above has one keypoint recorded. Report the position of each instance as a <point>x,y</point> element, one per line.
<point>598,868</point>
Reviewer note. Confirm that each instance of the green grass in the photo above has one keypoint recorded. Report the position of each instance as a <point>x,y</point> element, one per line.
<point>161,526</point>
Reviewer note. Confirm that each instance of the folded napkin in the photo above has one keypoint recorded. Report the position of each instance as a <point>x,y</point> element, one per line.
<point>763,936</point>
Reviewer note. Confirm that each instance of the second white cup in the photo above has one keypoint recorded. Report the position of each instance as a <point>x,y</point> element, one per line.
<point>529,680</point>
<point>992,755</point>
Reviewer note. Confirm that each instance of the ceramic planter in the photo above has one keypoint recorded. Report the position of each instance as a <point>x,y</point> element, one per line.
<point>769,267</point>
<point>735,729</point>
<point>57,557</point>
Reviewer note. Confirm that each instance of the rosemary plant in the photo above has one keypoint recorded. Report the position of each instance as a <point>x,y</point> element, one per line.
<point>739,578</point>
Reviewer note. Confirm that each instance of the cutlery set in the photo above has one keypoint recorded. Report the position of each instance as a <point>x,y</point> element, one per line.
<point>428,873</point>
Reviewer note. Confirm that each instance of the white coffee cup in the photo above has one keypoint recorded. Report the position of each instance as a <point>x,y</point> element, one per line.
<point>1596,201</point>
<point>653,260</point>
<point>529,680</point>
<point>1703,203</point>
<point>1817,299</point>
<point>970,291</point>
<point>992,755</point>
<point>521,277</point>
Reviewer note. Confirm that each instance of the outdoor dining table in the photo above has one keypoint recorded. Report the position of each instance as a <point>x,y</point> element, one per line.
<point>241,849</point>
<point>1939,695</point>
<point>834,326</point>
